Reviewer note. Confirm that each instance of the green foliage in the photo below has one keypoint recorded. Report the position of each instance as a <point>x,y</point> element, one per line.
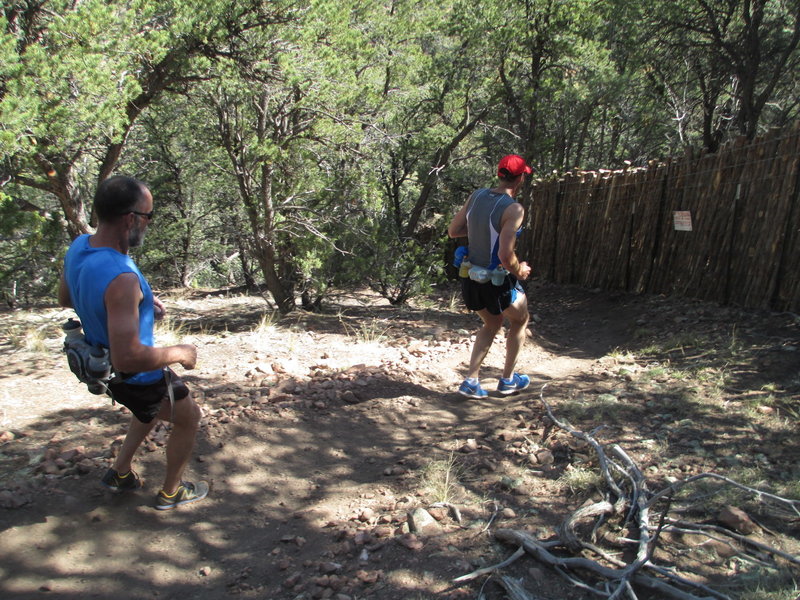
<point>722,66</point>
<point>30,248</point>
<point>404,270</point>
<point>74,78</point>
<point>327,143</point>
<point>192,241</point>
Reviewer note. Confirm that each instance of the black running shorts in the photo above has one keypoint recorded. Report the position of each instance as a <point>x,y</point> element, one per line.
<point>493,298</point>
<point>144,401</point>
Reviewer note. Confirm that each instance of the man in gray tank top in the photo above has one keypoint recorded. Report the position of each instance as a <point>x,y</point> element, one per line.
<point>491,220</point>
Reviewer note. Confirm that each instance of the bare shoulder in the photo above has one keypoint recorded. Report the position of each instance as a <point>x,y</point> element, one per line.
<point>513,215</point>
<point>123,289</point>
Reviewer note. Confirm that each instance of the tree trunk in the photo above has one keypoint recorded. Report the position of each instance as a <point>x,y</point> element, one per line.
<point>267,256</point>
<point>61,186</point>
<point>442,160</point>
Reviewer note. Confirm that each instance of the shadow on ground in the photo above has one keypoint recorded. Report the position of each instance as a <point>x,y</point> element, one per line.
<point>309,496</point>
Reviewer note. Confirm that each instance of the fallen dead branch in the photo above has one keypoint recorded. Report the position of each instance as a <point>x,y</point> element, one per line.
<point>489,570</point>
<point>645,513</point>
<point>686,527</point>
<point>544,555</point>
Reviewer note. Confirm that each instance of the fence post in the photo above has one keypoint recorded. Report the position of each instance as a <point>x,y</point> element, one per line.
<point>556,228</point>
<point>662,201</point>
<point>736,199</point>
<point>783,259</point>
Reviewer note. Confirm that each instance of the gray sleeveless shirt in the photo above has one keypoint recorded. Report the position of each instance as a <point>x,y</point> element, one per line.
<point>484,211</point>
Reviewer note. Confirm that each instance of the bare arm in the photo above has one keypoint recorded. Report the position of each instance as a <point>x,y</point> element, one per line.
<point>458,224</point>
<point>64,297</point>
<point>128,354</point>
<point>509,224</point>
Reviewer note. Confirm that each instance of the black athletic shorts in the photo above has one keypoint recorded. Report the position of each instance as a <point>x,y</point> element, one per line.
<point>494,298</point>
<point>144,401</point>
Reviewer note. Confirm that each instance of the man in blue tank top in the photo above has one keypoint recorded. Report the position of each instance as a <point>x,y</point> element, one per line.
<point>117,309</point>
<point>491,220</point>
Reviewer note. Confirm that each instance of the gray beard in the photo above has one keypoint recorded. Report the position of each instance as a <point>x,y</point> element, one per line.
<point>135,238</point>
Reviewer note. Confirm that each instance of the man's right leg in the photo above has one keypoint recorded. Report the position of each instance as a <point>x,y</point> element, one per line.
<point>518,317</point>
<point>137,431</point>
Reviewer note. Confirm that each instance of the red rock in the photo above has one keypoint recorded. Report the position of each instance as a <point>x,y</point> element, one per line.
<point>292,580</point>
<point>437,512</point>
<point>411,541</point>
<point>329,567</point>
<point>383,531</point>
<point>366,515</point>
<point>368,576</point>
<point>737,519</point>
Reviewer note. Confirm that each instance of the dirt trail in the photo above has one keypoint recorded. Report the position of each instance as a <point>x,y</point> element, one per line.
<point>321,433</point>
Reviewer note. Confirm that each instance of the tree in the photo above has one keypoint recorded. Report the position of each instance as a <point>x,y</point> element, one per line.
<point>423,96</point>
<point>29,246</point>
<point>81,74</point>
<point>276,113</point>
<point>740,52</point>
<point>193,239</point>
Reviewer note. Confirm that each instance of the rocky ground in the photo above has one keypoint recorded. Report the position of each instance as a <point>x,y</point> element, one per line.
<point>343,465</point>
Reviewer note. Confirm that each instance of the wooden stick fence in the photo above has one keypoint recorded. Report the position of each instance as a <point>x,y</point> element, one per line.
<point>617,230</point>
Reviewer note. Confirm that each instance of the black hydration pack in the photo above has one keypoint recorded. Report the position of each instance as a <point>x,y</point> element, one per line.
<point>90,364</point>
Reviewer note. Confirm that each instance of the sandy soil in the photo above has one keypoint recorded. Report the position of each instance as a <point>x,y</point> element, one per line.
<point>322,432</point>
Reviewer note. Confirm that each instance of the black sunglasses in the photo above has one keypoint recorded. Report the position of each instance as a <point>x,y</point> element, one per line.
<point>143,214</point>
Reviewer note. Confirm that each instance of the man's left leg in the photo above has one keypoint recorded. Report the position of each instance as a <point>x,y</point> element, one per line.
<point>518,318</point>
<point>186,422</point>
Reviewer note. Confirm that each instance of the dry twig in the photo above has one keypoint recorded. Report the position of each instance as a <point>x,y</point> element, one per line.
<point>489,570</point>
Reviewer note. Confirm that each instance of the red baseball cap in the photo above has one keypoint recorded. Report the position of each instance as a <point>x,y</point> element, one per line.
<point>512,165</point>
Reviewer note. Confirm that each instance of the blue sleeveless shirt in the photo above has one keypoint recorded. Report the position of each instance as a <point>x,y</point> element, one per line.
<point>88,271</point>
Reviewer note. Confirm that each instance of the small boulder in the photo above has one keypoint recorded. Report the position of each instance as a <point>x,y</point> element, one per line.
<point>737,519</point>
<point>420,521</point>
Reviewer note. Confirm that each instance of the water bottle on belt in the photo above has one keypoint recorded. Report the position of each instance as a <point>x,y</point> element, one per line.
<point>461,260</point>
<point>499,275</point>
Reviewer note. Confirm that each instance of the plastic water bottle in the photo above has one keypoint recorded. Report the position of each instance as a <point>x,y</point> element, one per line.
<point>72,329</point>
<point>463,270</point>
<point>460,255</point>
<point>479,274</point>
<point>99,368</point>
<point>499,275</point>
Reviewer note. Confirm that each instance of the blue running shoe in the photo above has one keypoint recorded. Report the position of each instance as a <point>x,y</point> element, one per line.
<point>515,384</point>
<point>472,391</point>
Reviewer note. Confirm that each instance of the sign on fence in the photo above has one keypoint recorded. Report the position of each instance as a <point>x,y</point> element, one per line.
<point>682,220</point>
